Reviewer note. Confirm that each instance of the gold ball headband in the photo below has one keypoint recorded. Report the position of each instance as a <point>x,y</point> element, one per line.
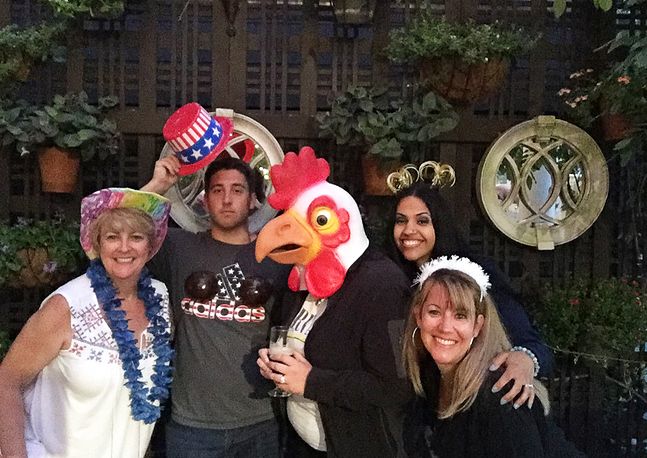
<point>432,172</point>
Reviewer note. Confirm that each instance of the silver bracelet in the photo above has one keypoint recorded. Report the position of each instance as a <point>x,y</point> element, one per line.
<point>532,356</point>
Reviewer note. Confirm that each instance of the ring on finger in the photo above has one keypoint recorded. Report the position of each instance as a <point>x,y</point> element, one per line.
<point>530,385</point>
<point>282,379</point>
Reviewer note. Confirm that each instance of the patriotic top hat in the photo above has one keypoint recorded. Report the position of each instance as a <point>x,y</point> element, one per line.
<point>196,137</point>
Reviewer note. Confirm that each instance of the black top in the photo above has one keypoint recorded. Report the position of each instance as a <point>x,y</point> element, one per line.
<point>354,348</point>
<point>489,429</point>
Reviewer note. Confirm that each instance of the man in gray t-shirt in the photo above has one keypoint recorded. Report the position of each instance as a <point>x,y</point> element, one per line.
<point>220,405</point>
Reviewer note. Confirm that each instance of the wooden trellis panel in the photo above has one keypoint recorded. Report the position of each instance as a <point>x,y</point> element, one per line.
<point>279,62</point>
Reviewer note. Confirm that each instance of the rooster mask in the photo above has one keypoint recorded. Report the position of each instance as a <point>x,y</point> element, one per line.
<point>320,231</point>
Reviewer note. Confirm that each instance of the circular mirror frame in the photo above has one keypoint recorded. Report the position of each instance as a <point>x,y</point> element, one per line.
<point>247,128</point>
<point>595,190</point>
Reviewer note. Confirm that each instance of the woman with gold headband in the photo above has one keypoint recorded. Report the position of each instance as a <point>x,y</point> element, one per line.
<point>454,323</point>
<point>424,229</point>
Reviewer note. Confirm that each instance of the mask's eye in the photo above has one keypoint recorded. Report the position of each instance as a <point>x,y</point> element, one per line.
<point>324,220</point>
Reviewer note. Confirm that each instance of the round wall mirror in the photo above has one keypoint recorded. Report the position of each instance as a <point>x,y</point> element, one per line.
<point>543,182</point>
<point>250,142</point>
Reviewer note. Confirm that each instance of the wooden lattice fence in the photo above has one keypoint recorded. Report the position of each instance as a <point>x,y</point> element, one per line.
<point>278,61</point>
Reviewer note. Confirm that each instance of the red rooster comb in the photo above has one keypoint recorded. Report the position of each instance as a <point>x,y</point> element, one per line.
<point>295,175</point>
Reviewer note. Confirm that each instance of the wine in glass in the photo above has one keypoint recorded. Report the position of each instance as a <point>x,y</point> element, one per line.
<point>279,346</point>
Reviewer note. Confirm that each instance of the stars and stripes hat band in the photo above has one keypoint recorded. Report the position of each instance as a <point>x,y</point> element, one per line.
<point>196,137</point>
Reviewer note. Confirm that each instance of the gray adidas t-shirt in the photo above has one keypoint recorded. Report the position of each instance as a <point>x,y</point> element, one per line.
<point>216,382</point>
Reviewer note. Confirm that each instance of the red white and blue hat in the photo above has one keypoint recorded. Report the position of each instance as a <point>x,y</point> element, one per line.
<point>196,137</point>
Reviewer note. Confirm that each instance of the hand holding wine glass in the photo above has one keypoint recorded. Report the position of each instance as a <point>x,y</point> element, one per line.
<point>279,346</point>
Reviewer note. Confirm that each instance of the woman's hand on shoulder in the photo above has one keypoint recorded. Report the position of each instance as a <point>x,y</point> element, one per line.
<point>520,369</point>
<point>48,331</point>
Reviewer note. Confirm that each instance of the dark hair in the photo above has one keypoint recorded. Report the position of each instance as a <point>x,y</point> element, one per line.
<point>448,239</point>
<point>230,163</point>
<point>259,186</point>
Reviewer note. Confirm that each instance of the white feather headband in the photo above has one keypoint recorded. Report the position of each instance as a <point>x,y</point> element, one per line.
<point>464,265</point>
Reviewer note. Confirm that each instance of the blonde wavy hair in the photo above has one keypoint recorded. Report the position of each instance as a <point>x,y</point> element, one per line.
<point>472,370</point>
<point>118,219</point>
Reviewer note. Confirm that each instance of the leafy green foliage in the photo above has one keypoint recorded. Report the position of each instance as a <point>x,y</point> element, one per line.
<point>21,47</point>
<point>613,91</point>
<point>385,127</point>
<point>428,37</point>
<point>76,8</point>
<point>59,237</point>
<point>17,128</point>
<point>559,6</point>
<point>70,122</point>
<point>608,317</point>
<point>620,89</point>
<point>633,102</point>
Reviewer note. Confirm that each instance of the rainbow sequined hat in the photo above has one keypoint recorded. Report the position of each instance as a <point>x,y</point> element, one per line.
<point>156,206</point>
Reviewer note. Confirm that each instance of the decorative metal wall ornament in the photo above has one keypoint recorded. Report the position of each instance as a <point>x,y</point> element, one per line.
<point>543,183</point>
<point>353,12</point>
<point>250,142</point>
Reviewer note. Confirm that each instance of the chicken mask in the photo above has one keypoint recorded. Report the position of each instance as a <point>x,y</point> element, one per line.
<point>320,231</point>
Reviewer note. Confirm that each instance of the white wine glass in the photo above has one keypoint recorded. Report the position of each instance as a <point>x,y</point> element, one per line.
<point>279,346</point>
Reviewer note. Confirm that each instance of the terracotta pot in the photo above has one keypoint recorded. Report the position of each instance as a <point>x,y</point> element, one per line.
<point>375,173</point>
<point>615,126</point>
<point>34,274</point>
<point>59,170</point>
<point>463,83</point>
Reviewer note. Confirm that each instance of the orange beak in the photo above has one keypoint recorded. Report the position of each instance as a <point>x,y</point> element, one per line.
<point>288,239</point>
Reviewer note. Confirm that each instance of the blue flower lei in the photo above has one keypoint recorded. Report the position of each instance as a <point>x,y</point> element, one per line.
<point>142,400</point>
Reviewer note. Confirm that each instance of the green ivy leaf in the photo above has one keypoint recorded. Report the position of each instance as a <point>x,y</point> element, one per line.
<point>604,5</point>
<point>559,7</point>
<point>69,141</point>
<point>87,134</point>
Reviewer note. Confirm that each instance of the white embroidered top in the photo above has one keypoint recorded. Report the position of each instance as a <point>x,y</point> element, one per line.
<point>78,405</point>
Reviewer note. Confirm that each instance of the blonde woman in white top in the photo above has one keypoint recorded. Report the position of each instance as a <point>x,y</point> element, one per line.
<point>88,372</point>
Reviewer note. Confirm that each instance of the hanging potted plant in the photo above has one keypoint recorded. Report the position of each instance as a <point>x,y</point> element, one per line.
<point>616,99</point>
<point>386,129</point>
<point>463,62</point>
<point>20,48</point>
<point>38,253</point>
<point>68,130</point>
<point>92,8</point>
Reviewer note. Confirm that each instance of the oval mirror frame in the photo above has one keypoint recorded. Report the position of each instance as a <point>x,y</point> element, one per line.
<point>251,142</point>
<point>543,182</point>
